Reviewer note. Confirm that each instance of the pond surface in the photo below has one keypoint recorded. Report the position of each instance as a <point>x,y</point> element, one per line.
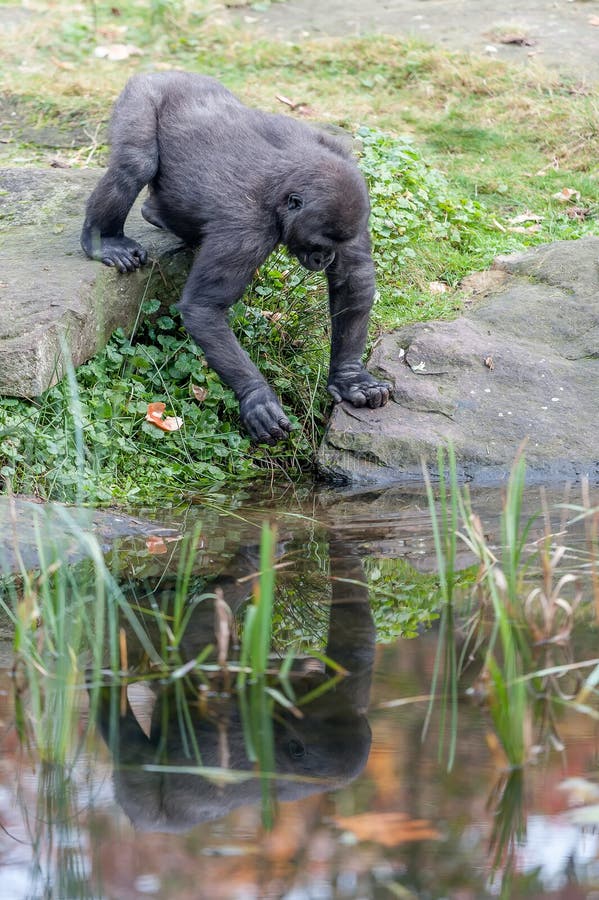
<point>320,783</point>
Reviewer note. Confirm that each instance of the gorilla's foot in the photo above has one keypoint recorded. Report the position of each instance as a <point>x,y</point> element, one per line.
<point>263,418</point>
<point>353,383</point>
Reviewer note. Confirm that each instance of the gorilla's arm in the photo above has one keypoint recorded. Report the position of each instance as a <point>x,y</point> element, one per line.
<point>222,269</point>
<point>133,164</point>
<point>351,293</point>
<point>352,634</point>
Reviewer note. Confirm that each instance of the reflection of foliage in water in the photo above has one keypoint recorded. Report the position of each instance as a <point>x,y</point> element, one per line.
<point>404,601</point>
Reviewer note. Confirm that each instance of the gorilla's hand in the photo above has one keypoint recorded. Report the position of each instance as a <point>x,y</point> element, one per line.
<point>123,253</point>
<point>263,417</point>
<point>353,383</point>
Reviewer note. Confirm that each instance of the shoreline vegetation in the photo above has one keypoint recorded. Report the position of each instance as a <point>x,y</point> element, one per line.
<point>465,159</point>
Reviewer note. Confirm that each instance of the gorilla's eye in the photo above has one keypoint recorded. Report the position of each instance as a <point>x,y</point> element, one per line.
<point>294,201</point>
<point>295,749</point>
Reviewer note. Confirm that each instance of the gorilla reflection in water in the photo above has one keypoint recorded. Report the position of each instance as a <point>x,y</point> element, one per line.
<point>328,747</point>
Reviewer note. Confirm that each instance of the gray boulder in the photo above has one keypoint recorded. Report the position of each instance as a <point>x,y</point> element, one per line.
<point>522,365</point>
<point>54,302</point>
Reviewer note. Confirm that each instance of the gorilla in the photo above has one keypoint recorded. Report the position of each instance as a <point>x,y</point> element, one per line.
<point>236,182</point>
<point>323,750</point>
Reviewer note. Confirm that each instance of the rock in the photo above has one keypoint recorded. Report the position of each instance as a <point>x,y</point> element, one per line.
<point>521,365</point>
<point>34,535</point>
<point>53,299</point>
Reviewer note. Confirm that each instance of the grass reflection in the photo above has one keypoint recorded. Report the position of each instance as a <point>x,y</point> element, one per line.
<point>518,635</point>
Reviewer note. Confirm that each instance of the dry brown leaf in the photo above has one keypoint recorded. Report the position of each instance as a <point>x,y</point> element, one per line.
<point>297,106</point>
<point>524,229</point>
<point>117,52</point>
<point>155,415</point>
<point>520,40</point>
<point>578,212</point>
<point>525,217</point>
<point>438,287</point>
<point>62,64</point>
<point>291,103</point>
<point>112,33</point>
<point>388,828</point>
<point>566,194</point>
<point>199,393</point>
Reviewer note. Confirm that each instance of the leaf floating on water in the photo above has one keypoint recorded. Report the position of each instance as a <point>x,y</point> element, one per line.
<point>155,544</point>
<point>155,415</point>
<point>388,829</point>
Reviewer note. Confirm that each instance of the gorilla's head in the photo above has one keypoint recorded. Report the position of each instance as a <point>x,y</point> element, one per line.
<point>321,210</point>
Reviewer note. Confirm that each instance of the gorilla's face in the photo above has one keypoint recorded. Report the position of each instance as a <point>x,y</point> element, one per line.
<point>315,230</point>
<point>304,234</point>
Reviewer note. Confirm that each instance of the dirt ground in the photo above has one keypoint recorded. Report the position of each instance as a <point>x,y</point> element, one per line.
<point>559,34</point>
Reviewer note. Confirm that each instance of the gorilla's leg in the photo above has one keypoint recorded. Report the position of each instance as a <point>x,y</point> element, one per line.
<point>133,163</point>
<point>351,293</point>
<point>218,278</point>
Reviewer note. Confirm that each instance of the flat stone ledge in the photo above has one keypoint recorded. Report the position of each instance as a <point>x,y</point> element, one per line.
<point>54,302</point>
<point>522,365</point>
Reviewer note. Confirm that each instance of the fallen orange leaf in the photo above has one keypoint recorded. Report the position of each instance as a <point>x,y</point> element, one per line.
<point>155,415</point>
<point>388,829</point>
<point>155,544</point>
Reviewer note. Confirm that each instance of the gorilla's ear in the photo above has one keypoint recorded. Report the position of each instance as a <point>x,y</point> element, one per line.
<point>295,201</point>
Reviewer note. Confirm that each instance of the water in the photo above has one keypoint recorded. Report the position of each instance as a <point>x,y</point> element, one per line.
<point>150,788</point>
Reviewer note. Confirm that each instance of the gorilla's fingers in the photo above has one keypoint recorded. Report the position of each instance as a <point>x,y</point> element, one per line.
<point>263,418</point>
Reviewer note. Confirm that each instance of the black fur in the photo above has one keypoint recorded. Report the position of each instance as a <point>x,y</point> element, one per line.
<point>236,182</point>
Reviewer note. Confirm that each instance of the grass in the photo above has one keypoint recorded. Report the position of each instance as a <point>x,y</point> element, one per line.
<point>517,624</point>
<point>455,150</point>
<point>77,627</point>
<point>516,643</point>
